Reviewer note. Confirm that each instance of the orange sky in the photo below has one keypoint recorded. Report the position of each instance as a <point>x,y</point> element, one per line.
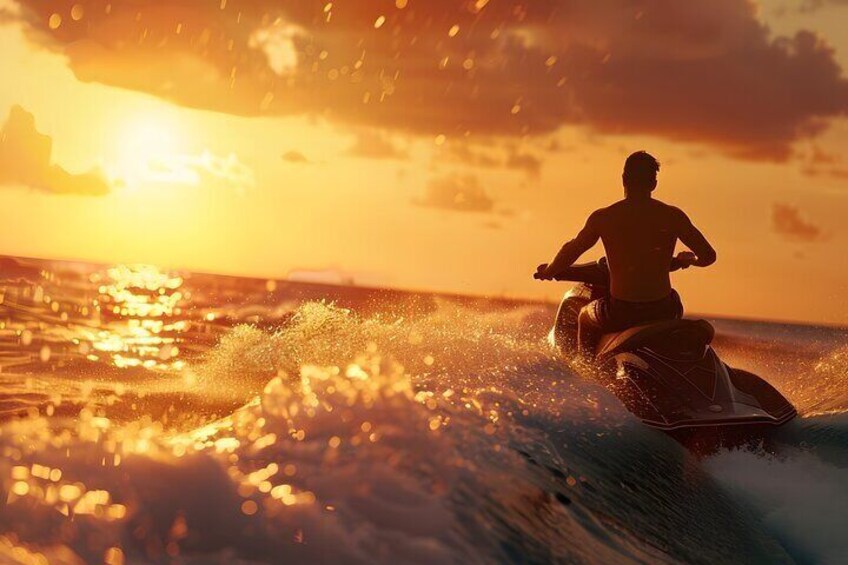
<point>449,145</point>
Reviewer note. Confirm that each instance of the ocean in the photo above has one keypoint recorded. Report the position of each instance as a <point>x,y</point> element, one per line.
<point>154,416</point>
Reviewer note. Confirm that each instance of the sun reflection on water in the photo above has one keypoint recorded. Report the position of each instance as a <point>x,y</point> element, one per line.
<point>143,304</point>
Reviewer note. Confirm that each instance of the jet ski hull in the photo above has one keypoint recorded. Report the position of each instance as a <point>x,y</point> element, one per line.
<point>670,395</point>
<point>669,376</point>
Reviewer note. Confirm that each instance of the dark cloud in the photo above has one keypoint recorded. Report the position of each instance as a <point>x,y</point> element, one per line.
<point>790,224</point>
<point>702,70</point>
<point>25,156</point>
<point>294,156</point>
<point>493,157</point>
<point>461,193</point>
<point>374,144</point>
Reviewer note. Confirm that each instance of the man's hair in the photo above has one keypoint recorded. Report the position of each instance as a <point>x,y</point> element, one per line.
<point>640,171</point>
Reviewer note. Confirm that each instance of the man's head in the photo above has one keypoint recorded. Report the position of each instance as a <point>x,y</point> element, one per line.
<point>640,173</point>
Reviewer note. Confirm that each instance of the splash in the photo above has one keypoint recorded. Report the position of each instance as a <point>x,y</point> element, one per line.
<point>347,462</point>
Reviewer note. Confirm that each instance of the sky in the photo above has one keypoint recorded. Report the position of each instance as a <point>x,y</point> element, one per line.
<point>447,145</point>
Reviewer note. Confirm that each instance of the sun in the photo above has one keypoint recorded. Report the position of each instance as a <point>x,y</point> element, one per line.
<point>145,145</point>
<point>150,137</point>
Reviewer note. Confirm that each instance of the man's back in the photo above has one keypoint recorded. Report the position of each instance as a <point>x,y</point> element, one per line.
<point>639,236</point>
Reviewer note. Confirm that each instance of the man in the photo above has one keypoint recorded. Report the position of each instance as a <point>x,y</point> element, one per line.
<point>639,235</point>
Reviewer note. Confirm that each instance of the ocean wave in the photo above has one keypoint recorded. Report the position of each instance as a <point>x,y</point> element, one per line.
<point>455,436</point>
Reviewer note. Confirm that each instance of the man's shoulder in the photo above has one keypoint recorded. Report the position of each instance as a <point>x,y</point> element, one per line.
<point>610,213</point>
<point>611,209</point>
<point>673,211</point>
<point>601,214</point>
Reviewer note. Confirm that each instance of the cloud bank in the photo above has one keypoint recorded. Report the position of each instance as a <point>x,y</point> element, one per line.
<point>706,71</point>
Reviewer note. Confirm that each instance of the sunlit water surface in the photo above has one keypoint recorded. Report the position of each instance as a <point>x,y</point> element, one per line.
<point>151,416</point>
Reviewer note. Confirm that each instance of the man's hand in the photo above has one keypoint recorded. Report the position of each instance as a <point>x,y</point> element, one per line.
<point>683,260</point>
<point>542,273</point>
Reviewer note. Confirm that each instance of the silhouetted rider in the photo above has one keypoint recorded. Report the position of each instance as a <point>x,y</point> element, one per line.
<point>639,235</point>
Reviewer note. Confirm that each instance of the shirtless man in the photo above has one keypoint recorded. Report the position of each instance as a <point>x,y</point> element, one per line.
<point>639,235</point>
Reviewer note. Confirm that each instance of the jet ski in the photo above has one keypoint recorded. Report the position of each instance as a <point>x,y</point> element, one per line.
<point>666,373</point>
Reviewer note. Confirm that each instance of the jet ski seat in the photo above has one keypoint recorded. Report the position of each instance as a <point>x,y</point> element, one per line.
<point>684,336</point>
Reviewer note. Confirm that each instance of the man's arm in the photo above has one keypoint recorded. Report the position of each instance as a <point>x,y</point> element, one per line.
<point>695,240</point>
<point>572,250</point>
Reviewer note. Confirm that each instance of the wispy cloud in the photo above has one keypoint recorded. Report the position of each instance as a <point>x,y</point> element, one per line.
<point>820,162</point>
<point>204,169</point>
<point>457,192</point>
<point>374,144</point>
<point>294,156</point>
<point>493,157</point>
<point>789,223</point>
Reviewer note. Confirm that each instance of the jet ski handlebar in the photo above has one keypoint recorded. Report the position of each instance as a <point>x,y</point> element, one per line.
<point>597,273</point>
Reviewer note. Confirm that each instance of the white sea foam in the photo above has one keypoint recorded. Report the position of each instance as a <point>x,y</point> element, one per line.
<point>802,499</point>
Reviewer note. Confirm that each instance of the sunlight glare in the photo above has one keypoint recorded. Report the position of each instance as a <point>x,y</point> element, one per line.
<point>145,145</point>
